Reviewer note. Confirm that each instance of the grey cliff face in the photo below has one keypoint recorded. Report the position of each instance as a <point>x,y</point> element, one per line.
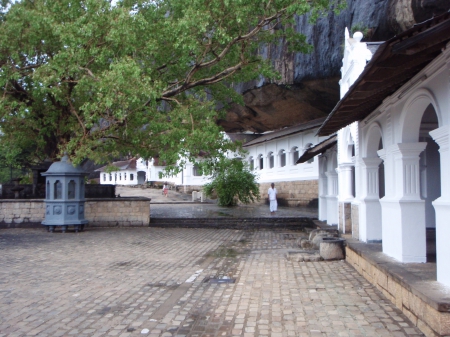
<point>309,86</point>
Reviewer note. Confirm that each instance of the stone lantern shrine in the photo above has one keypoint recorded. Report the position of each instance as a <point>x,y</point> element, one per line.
<point>64,196</point>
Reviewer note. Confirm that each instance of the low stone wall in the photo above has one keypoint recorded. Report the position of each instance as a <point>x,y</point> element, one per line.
<point>188,189</point>
<point>113,212</point>
<point>430,312</point>
<point>118,212</point>
<point>23,212</point>
<point>293,193</point>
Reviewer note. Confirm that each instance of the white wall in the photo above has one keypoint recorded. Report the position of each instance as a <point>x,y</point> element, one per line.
<point>124,177</point>
<point>291,171</point>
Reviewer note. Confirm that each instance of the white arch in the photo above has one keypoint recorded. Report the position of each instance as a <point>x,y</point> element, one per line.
<point>373,136</point>
<point>346,145</point>
<point>413,110</point>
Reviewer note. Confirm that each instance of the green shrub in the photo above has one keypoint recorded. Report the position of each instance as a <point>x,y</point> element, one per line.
<point>233,182</point>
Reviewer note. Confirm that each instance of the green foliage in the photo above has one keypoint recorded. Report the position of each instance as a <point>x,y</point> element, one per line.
<point>9,173</point>
<point>232,182</point>
<point>359,27</point>
<point>142,78</point>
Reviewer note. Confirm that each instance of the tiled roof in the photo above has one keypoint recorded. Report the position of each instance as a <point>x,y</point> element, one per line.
<point>317,149</point>
<point>121,165</point>
<point>291,130</point>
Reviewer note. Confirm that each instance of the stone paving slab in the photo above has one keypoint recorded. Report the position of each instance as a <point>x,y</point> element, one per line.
<point>198,211</point>
<point>122,282</point>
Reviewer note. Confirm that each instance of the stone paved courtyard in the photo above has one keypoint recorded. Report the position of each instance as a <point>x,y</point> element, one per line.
<point>154,282</point>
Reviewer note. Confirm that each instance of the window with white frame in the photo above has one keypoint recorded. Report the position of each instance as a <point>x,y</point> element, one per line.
<point>261,161</point>
<point>282,155</point>
<point>196,171</point>
<point>306,148</point>
<point>251,163</point>
<point>295,155</point>
<point>271,159</point>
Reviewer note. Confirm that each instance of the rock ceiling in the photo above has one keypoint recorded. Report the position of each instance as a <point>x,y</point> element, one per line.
<point>275,106</point>
<point>313,89</point>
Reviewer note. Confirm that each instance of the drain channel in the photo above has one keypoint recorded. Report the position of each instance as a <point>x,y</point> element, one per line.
<point>217,280</point>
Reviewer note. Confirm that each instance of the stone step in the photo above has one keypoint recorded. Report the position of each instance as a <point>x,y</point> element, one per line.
<point>294,223</point>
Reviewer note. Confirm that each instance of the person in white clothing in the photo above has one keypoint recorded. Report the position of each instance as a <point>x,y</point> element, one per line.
<point>272,198</point>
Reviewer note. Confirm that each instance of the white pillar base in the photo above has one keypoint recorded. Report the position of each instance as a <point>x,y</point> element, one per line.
<point>442,208</point>
<point>370,220</point>
<point>403,230</point>
<point>332,210</point>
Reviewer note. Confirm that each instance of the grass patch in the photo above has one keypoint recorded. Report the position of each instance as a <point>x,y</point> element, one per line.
<point>224,252</point>
<point>220,213</point>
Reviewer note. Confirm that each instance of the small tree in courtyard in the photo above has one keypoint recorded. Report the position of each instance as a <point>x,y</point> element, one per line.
<point>233,182</point>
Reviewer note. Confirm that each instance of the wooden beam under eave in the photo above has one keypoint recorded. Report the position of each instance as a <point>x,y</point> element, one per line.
<point>425,40</point>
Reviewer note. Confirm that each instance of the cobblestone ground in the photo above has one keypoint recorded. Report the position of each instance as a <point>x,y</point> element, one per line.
<point>157,282</point>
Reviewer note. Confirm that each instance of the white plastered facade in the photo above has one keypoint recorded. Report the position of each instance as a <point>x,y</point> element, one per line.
<point>400,187</point>
<point>278,157</point>
<point>126,177</point>
<point>147,171</point>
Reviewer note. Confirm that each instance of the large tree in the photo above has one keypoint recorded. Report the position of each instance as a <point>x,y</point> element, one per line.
<point>100,78</point>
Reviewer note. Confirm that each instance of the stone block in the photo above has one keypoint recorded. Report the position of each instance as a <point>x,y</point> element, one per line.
<point>433,319</point>
<point>408,313</point>
<point>417,306</point>
<point>382,280</point>
<point>405,298</point>
<point>425,328</point>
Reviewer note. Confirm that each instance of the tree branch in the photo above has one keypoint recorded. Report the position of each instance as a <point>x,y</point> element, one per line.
<point>74,112</point>
<point>187,83</point>
<point>89,72</point>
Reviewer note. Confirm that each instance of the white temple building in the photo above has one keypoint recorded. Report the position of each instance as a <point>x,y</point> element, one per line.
<point>386,179</point>
<point>127,172</point>
<point>272,156</point>
<point>138,171</point>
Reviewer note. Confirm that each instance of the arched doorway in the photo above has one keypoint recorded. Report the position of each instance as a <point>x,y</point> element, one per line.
<point>430,177</point>
<point>408,171</point>
<point>141,177</point>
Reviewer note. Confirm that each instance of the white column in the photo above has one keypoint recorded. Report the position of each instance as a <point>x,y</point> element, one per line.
<point>403,211</point>
<point>345,196</point>
<point>332,204</point>
<point>323,190</point>
<point>442,207</point>
<point>369,206</point>
<point>345,182</point>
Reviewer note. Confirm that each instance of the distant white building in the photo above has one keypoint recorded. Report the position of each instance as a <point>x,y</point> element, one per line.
<point>190,178</point>
<point>274,155</point>
<point>127,172</point>
<point>139,171</point>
